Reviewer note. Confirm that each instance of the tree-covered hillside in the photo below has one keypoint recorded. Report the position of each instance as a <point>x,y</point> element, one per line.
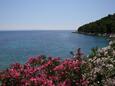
<point>104,25</point>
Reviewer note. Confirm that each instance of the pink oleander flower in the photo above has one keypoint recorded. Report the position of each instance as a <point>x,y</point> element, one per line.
<point>59,67</point>
<point>34,81</point>
<point>13,73</point>
<point>32,60</point>
<point>65,83</point>
<point>17,66</point>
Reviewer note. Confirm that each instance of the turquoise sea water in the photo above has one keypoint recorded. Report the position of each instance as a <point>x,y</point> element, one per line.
<point>18,46</point>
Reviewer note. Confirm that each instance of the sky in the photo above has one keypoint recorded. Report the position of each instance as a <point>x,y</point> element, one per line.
<point>52,14</point>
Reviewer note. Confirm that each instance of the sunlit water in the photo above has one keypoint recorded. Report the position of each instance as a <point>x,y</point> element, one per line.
<point>18,46</point>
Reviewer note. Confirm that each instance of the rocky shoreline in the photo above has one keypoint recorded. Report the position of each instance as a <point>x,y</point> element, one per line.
<point>94,34</point>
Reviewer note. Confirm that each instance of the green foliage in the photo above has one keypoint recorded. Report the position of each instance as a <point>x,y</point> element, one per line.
<point>113,46</point>
<point>93,52</point>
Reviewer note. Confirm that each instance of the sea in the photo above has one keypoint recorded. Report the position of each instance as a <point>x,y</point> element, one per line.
<point>18,46</point>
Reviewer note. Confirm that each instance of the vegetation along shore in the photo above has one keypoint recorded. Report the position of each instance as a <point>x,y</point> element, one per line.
<point>97,70</point>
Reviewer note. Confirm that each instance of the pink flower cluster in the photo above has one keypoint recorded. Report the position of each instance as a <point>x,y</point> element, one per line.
<point>42,71</point>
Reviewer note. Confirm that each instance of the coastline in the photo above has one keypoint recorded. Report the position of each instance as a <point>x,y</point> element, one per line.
<point>109,37</point>
<point>97,70</point>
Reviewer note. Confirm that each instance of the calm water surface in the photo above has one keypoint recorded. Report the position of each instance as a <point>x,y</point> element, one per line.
<point>18,46</point>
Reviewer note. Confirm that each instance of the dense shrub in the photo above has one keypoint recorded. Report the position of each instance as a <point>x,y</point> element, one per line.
<point>45,71</point>
<point>102,67</point>
<point>98,70</point>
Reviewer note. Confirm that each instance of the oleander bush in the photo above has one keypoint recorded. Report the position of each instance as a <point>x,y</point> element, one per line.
<point>98,70</point>
<point>45,71</point>
<point>102,68</point>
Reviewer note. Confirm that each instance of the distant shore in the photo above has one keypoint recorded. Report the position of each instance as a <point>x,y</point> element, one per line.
<point>110,37</point>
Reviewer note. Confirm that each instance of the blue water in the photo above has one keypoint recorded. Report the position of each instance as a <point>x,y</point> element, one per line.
<point>18,46</point>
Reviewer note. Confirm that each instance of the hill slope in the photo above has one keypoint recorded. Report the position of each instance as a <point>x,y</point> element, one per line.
<point>104,25</point>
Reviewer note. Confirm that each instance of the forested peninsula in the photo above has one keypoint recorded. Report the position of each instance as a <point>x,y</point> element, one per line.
<point>103,26</point>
